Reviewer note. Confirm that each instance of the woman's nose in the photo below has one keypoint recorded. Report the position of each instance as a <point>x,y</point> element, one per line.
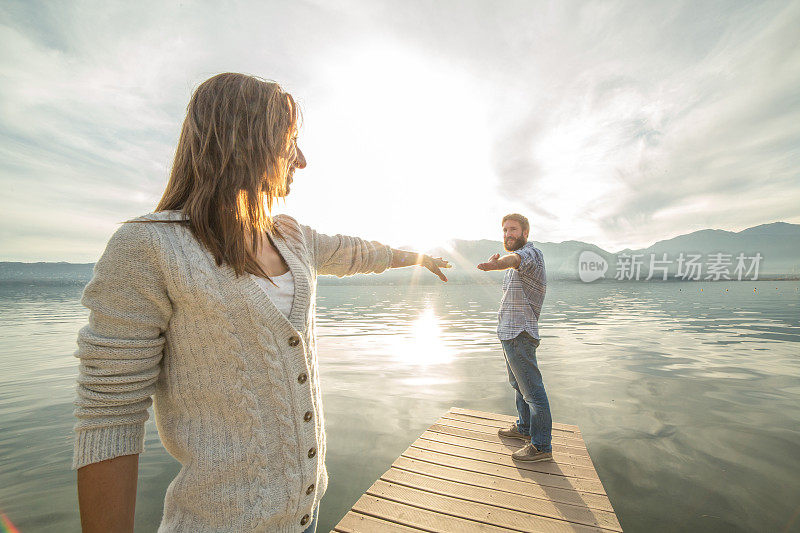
<point>299,159</point>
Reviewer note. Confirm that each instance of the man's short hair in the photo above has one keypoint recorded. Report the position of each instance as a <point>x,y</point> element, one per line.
<point>518,218</point>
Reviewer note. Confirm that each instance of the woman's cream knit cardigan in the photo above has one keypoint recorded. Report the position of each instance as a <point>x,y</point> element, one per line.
<point>235,382</point>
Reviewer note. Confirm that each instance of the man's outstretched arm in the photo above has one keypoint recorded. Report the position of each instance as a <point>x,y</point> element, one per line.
<point>496,262</point>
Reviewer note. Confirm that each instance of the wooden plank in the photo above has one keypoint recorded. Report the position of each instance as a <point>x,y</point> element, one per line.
<point>504,449</point>
<point>424,519</point>
<point>501,445</point>
<point>508,419</point>
<point>477,512</point>
<point>459,476</point>
<point>360,523</point>
<point>514,486</point>
<point>494,426</point>
<point>556,440</point>
<point>543,478</point>
<point>508,441</point>
<point>504,423</point>
<point>514,502</point>
<point>494,437</point>
<point>550,467</point>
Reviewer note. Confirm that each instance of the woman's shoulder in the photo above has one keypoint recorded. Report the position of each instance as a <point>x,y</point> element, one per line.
<point>141,234</point>
<point>286,221</point>
<point>161,216</point>
<point>294,233</point>
<point>290,229</point>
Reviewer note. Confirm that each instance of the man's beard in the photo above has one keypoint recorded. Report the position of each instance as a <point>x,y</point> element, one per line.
<point>516,244</point>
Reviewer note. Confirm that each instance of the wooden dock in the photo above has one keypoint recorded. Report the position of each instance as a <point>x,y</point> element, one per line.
<point>458,476</point>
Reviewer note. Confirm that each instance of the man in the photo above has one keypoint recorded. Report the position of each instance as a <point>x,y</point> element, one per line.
<point>518,329</point>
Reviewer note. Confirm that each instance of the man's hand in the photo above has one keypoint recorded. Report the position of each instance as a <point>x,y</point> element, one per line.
<point>496,262</point>
<point>491,264</point>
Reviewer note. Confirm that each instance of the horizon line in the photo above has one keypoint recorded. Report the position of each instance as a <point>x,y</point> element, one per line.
<point>491,240</point>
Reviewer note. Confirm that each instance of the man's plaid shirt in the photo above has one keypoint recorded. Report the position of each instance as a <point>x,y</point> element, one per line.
<point>523,294</point>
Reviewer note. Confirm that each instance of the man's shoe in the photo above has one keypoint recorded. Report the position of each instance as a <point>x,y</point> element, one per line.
<point>513,433</point>
<point>529,454</point>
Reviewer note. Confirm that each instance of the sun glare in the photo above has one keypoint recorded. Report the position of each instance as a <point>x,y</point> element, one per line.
<point>423,243</point>
<point>409,129</point>
<point>424,344</point>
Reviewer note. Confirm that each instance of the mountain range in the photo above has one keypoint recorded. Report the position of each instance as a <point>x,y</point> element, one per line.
<point>778,244</point>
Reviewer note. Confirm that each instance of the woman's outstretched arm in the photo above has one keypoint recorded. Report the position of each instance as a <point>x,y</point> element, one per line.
<point>341,255</point>
<point>107,494</point>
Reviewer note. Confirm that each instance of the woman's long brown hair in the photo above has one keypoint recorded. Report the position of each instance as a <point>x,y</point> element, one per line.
<point>231,163</point>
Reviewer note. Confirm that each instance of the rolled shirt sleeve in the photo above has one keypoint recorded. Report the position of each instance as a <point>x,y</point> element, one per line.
<point>120,349</point>
<point>531,259</point>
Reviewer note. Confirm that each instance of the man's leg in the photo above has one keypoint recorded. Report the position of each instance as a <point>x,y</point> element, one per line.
<point>521,359</point>
<point>523,411</point>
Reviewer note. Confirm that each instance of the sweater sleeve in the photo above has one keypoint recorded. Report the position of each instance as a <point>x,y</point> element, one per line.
<point>341,255</point>
<point>338,255</point>
<point>121,347</point>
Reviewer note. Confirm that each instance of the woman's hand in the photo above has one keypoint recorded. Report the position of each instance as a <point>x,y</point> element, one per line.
<point>402,258</point>
<point>434,264</point>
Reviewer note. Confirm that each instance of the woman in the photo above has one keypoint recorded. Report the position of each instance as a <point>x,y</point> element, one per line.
<point>207,305</point>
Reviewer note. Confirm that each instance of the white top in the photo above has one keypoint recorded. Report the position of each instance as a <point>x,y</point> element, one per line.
<point>282,293</point>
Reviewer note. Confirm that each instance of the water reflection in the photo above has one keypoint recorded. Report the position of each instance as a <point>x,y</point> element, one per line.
<point>687,399</point>
<point>425,344</point>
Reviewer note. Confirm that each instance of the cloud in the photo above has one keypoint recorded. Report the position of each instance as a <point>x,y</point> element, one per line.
<point>632,121</point>
<point>618,123</point>
<point>92,100</point>
<point>724,154</point>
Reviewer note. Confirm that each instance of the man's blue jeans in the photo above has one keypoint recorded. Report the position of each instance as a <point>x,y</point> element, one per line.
<point>532,405</point>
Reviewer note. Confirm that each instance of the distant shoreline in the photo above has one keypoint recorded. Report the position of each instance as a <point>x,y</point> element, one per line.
<point>63,273</point>
<point>375,280</point>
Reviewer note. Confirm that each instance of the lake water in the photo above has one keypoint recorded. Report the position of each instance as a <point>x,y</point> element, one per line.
<point>688,400</point>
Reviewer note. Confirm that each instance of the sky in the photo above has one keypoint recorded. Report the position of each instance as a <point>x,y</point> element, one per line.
<point>610,122</point>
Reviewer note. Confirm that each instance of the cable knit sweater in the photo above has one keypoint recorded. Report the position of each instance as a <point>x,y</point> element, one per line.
<point>235,383</point>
